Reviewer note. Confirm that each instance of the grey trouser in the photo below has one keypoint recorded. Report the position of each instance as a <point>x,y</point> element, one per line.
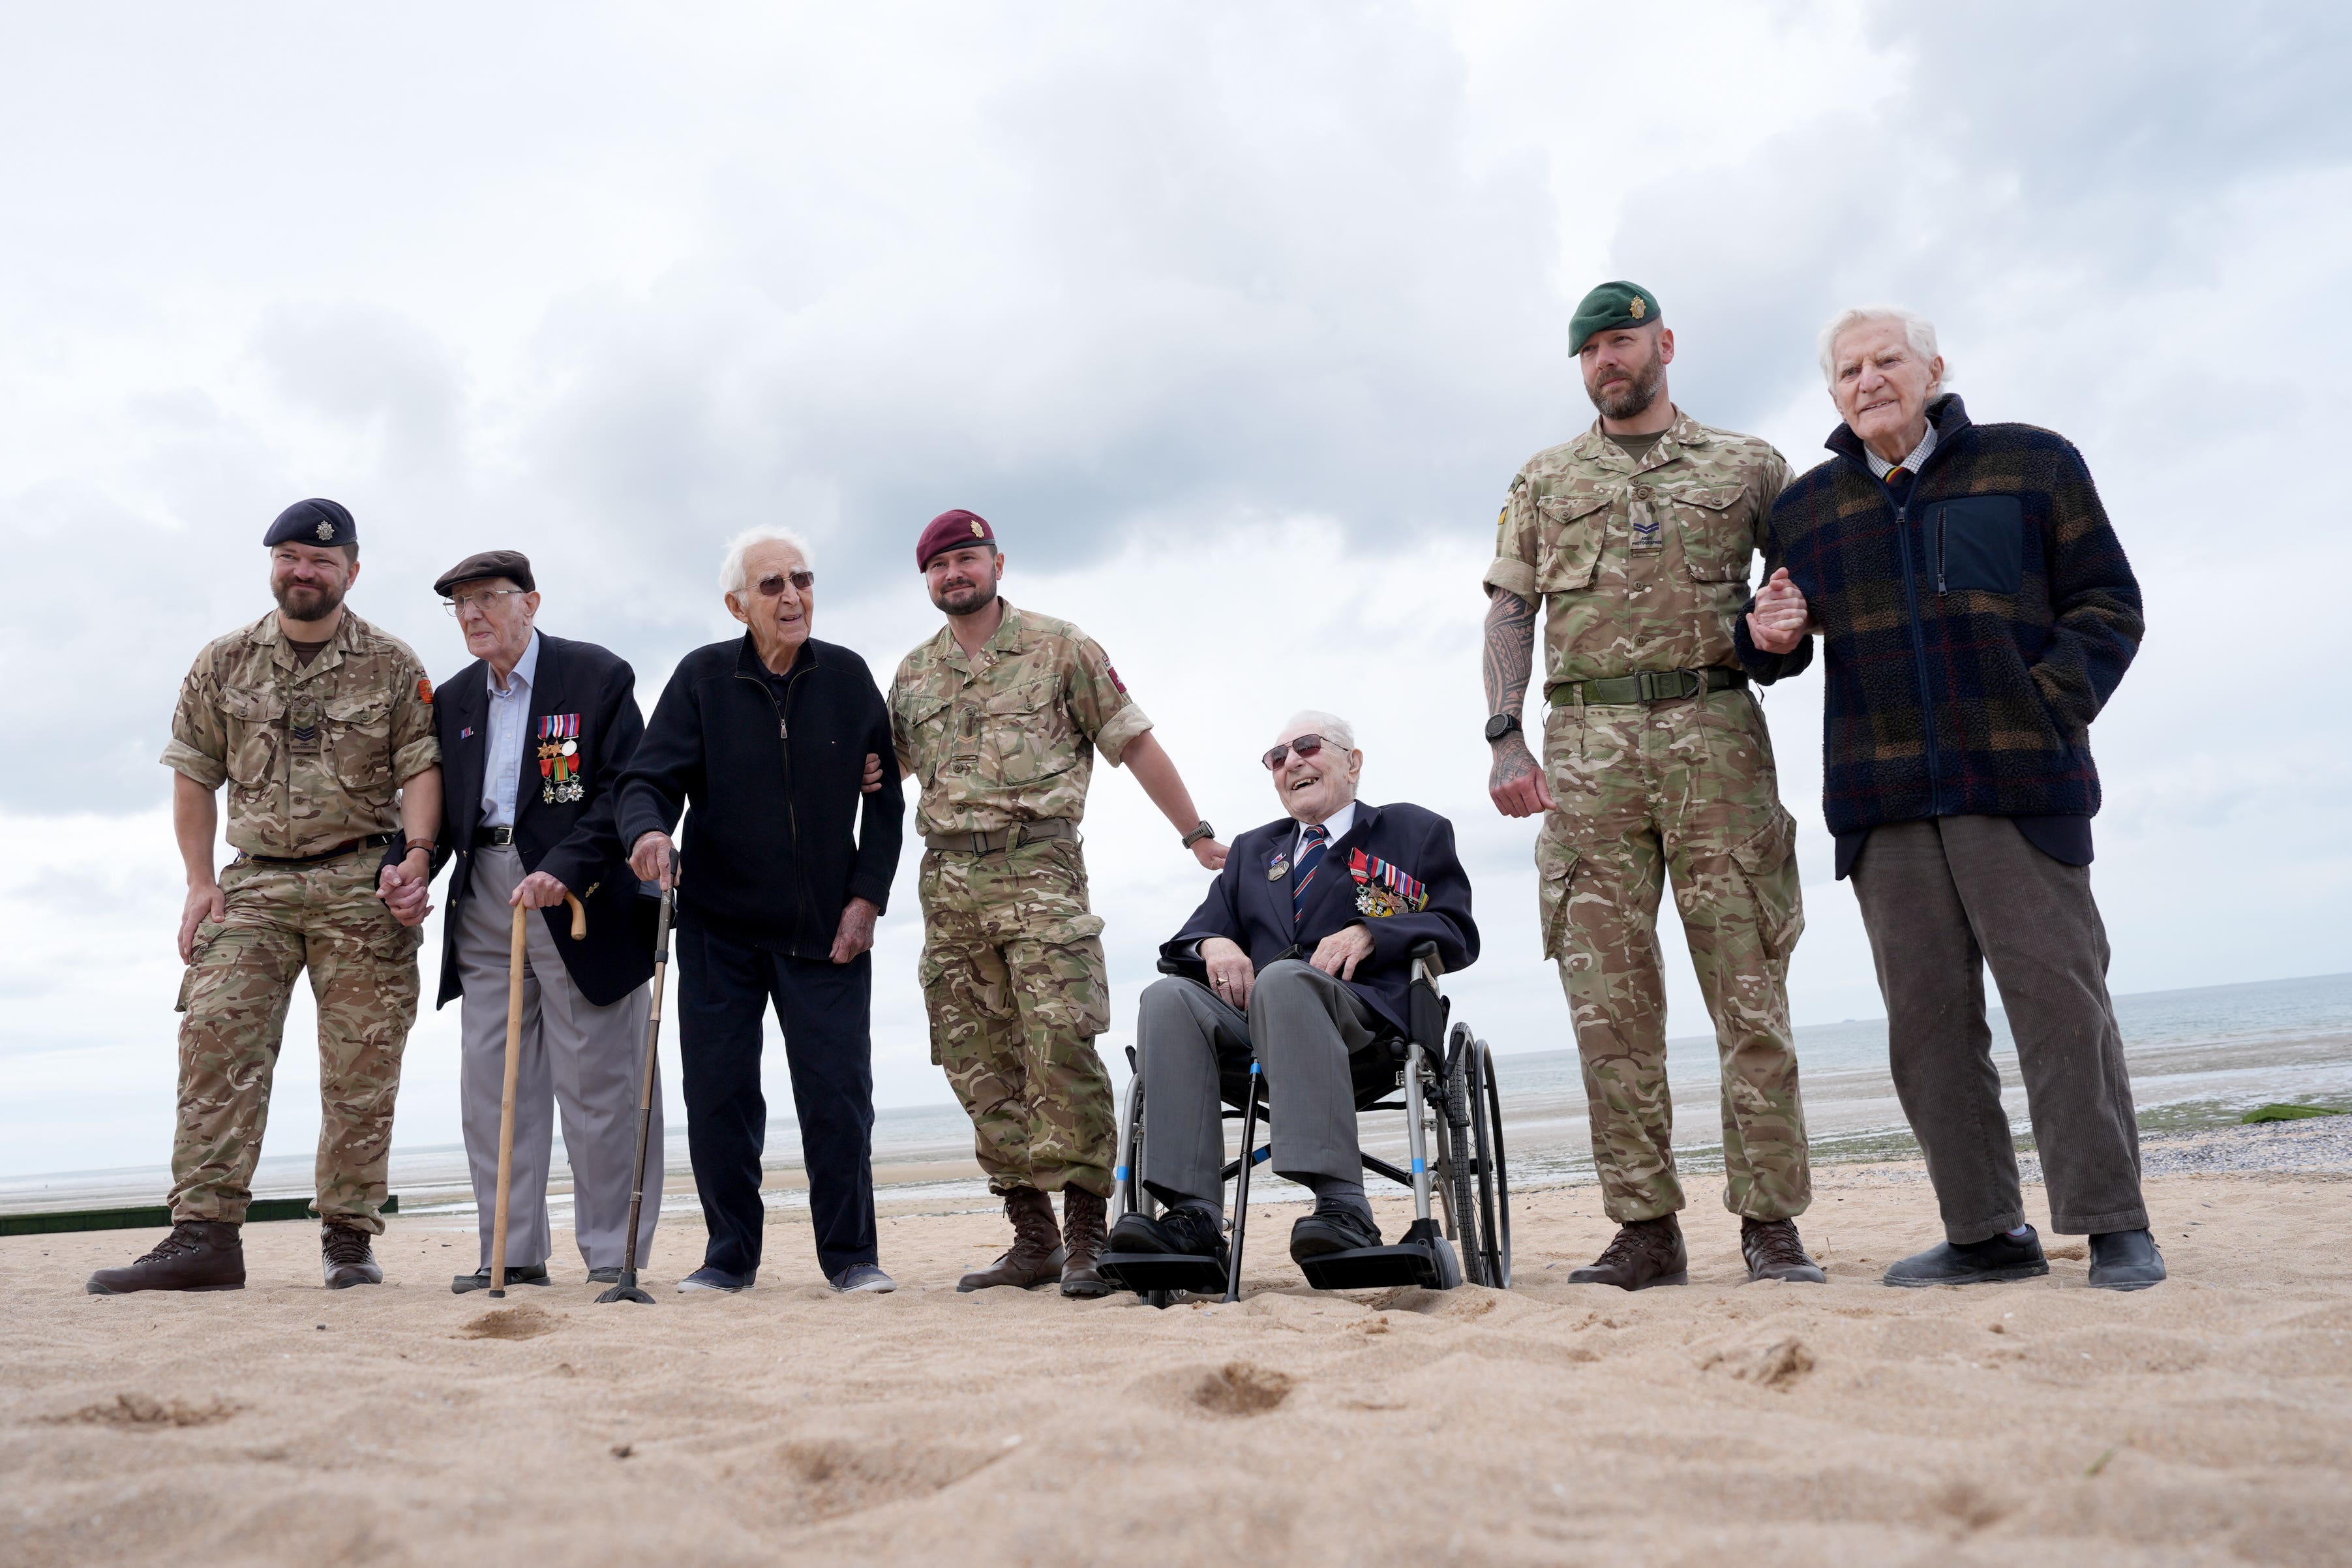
<point>585,1058</point>
<point>1193,1049</point>
<point>1941,899</point>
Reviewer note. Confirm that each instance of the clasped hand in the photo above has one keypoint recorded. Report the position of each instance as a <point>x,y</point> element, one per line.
<point>1781,617</point>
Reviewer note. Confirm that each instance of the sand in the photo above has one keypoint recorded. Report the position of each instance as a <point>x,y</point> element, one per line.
<point>2207,1421</point>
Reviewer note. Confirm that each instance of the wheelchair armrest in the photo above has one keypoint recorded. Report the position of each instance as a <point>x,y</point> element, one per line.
<point>1425,953</point>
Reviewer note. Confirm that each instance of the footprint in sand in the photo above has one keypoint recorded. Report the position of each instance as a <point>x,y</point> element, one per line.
<point>519,1323</point>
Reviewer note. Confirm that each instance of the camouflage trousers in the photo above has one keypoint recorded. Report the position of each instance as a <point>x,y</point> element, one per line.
<point>1688,788</point>
<point>283,920</point>
<point>1014,981</point>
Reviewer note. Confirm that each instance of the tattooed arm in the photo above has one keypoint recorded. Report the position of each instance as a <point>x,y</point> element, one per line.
<point>1516,781</point>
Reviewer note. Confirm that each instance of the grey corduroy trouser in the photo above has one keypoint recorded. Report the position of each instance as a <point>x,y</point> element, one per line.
<point>1942,900</point>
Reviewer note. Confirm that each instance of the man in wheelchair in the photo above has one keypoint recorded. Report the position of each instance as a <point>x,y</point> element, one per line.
<point>1303,959</point>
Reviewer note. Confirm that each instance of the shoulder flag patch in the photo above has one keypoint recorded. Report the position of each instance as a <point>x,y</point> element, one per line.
<point>424,691</point>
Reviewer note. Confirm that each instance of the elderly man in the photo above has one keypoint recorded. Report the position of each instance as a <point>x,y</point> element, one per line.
<point>1977,612</point>
<point>1306,941</point>
<point>768,743</point>
<point>534,734</point>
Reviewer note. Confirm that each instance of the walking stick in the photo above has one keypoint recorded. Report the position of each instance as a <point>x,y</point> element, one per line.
<point>515,954</point>
<point>627,1290</point>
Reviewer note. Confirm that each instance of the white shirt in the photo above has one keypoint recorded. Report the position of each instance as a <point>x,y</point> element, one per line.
<point>1882,467</point>
<point>1336,825</point>
<point>510,717</point>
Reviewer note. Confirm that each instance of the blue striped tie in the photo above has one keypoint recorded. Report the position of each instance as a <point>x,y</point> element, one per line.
<point>1310,858</point>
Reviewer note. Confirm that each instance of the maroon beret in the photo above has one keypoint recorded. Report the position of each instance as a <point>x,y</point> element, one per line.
<point>951,531</point>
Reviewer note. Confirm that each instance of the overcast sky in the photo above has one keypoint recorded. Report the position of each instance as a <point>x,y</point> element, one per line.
<point>1235,322</point>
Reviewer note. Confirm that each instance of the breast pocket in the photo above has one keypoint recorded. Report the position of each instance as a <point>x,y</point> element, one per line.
<point>1027,733</point>
<point>1574,527</point>
<point>1717,540</point>
<point>359,740</point>
<point>256,718</point>
<point>1979,545</point>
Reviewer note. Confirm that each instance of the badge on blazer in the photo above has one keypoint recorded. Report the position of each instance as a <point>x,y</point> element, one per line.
<point>1383,890</point>
<point>1281,866</point>
<point>559,759</point>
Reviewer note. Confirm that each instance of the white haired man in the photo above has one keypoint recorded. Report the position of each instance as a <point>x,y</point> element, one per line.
<point>1977,612</point>
<point>1305,944</point>
<point>768,744</point>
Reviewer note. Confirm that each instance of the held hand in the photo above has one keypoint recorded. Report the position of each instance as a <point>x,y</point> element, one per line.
<point>1781,616</point>
<point>1209,853</point>
<point>1515,782</point>
<point>1231,974</point>
<point>650,859</point>
<point>402,889</point>
<point>856,932</point>
<point>205,903</point>
<point>1339,952</point>
<point>539,891</point>
<point>873,779</point>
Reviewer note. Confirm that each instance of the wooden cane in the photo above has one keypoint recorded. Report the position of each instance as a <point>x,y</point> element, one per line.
<point>516,954</point>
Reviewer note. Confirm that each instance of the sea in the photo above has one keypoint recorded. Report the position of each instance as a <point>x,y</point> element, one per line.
<point>2198,1059</point>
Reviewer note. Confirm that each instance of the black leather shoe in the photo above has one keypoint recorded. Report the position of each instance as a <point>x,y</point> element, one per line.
<point>522,1274</point>
<point>2125,1260</point>
<point>1998,1259</point>
<point>347,1258</point>
<point>1181,1232</point>
<point>608,1274</point>
<point>1332,1227</point>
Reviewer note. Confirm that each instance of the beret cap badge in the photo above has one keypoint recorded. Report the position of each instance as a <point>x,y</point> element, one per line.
<point>326,531</point>
<point>979,529</point>
<point>1635,306</point>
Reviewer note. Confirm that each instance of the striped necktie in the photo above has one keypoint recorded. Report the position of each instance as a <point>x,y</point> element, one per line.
<point>1896,476</point>
<point>1317,840</point>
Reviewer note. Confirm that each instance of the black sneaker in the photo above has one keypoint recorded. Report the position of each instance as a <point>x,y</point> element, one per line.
<point>1990,1261</point>
<point>1185,1231</point>
<point>1334,1226</point>
<point>347,1256</point>
<point>199,1254</point>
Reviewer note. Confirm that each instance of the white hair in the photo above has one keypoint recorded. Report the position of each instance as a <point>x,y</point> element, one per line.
<point>1918,334</point>
<point>732,578</point>
<point>1331,726</point>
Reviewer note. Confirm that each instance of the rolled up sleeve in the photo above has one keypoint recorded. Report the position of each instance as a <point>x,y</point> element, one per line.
<point>199,744</point>
<point>1516,542</point>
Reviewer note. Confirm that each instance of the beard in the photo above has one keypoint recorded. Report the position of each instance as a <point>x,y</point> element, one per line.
<point>1627,402</point>
<point>303,602</point>
<point>965,601</point>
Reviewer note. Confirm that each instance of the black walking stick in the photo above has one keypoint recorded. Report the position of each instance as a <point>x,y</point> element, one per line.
<point>626,1291</point>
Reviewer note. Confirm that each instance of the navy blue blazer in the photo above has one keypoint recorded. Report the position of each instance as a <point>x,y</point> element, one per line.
<point>1246,907</point>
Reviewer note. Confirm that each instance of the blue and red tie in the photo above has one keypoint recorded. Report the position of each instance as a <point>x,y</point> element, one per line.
<point>1316,839</point>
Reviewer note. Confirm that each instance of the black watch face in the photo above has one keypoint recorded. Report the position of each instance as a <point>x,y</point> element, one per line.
<point>1500,725</point>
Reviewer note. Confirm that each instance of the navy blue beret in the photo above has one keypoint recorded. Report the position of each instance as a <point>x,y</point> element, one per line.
<point>313,521</point>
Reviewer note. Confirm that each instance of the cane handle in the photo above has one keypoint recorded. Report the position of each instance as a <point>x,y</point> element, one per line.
<point>579,919</point>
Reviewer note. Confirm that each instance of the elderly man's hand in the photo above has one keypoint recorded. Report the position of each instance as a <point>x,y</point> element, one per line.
<point>1231,974</point>
<point>1339,952</point>
<point>404,893</point>
<point>650,859</point>
<point>873,779</point>
<point>856,931</point>
<point>205,903</point>
<point>1781,617</point>
<point>1209,853</point>
<point>539,891</point>
<point>1515,782</point>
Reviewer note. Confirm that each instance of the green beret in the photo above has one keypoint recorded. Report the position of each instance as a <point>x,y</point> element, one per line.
<point>1618,304</point>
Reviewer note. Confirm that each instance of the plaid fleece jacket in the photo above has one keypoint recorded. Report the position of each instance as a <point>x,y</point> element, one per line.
<point>1973,632</point>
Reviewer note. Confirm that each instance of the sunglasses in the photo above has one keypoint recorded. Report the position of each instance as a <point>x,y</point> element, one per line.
<point>772,585</point>
<point>1304,745</point>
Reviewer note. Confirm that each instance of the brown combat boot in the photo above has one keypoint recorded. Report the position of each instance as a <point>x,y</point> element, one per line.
<point>1036,1255</point>
<point>199,1254</point>
<point>1083,1218</point>
<point>1644,1252</point>
<point>1774,1250</point>
<point>346,1258</point>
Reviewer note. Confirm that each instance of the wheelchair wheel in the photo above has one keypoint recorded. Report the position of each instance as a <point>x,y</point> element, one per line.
<point>1494,1170</point>
<point>1457,1172</point>
<point>1127,1195</point>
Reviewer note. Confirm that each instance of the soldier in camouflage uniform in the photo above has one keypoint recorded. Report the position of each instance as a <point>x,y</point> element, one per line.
<point>322,728</point>
<point>1636,537</point>
<point>999,717</point>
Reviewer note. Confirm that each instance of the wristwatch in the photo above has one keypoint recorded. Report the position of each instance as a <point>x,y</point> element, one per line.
<point>1200,832</point>
<point>1500,725</point>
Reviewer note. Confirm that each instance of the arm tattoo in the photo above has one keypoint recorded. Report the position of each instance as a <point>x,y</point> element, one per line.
<point>1509,656</point>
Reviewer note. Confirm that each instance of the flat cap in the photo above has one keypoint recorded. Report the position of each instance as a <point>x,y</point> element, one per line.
<point>512,564</point>
<point>313,521</point>
<point>1618,304</point>
<point>950,531</point>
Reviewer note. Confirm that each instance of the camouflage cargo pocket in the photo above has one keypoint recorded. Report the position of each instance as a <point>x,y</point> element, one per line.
<point>1070,952</point>
<point>1556,866</point>
<point>1573,529</point>
<point>359,735</point>
<point>1717,545</point>
<point>1767,860</point>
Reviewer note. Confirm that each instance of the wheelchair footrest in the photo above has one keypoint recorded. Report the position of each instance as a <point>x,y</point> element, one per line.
<point>1142,1271</point>
<point>1365,1267</point>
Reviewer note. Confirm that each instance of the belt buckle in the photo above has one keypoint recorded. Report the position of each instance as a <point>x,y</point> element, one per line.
<point>978,843</point>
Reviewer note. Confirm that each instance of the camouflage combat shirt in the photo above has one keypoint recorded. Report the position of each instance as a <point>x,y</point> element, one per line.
<point>1641,564</point>
<point>1009,735</point>
<point>311,755</point>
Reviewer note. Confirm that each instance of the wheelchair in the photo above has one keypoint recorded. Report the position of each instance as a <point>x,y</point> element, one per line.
<point>1443,1080</point>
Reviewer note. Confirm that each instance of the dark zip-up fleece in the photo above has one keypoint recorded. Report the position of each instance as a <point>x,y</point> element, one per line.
<point>773,847</point>
<point>1974,626</point>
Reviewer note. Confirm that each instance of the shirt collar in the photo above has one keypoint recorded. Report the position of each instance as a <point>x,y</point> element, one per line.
<point>525,673</point>
<point>1880,467</point>
<point>1336,825</point>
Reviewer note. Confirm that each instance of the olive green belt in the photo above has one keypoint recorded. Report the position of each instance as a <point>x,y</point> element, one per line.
<point>1644,686</point>
<point>1011,837</point>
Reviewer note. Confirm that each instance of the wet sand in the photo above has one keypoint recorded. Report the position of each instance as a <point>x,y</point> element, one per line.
<point>2207,1421</point>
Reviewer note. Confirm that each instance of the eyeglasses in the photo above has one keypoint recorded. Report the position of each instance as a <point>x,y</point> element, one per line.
<point>771,586</point>
<point>1304,745</point>
<point>459,604</point>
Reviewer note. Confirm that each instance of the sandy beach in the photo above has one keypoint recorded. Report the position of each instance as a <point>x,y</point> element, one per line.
<point>2207,1421</point>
